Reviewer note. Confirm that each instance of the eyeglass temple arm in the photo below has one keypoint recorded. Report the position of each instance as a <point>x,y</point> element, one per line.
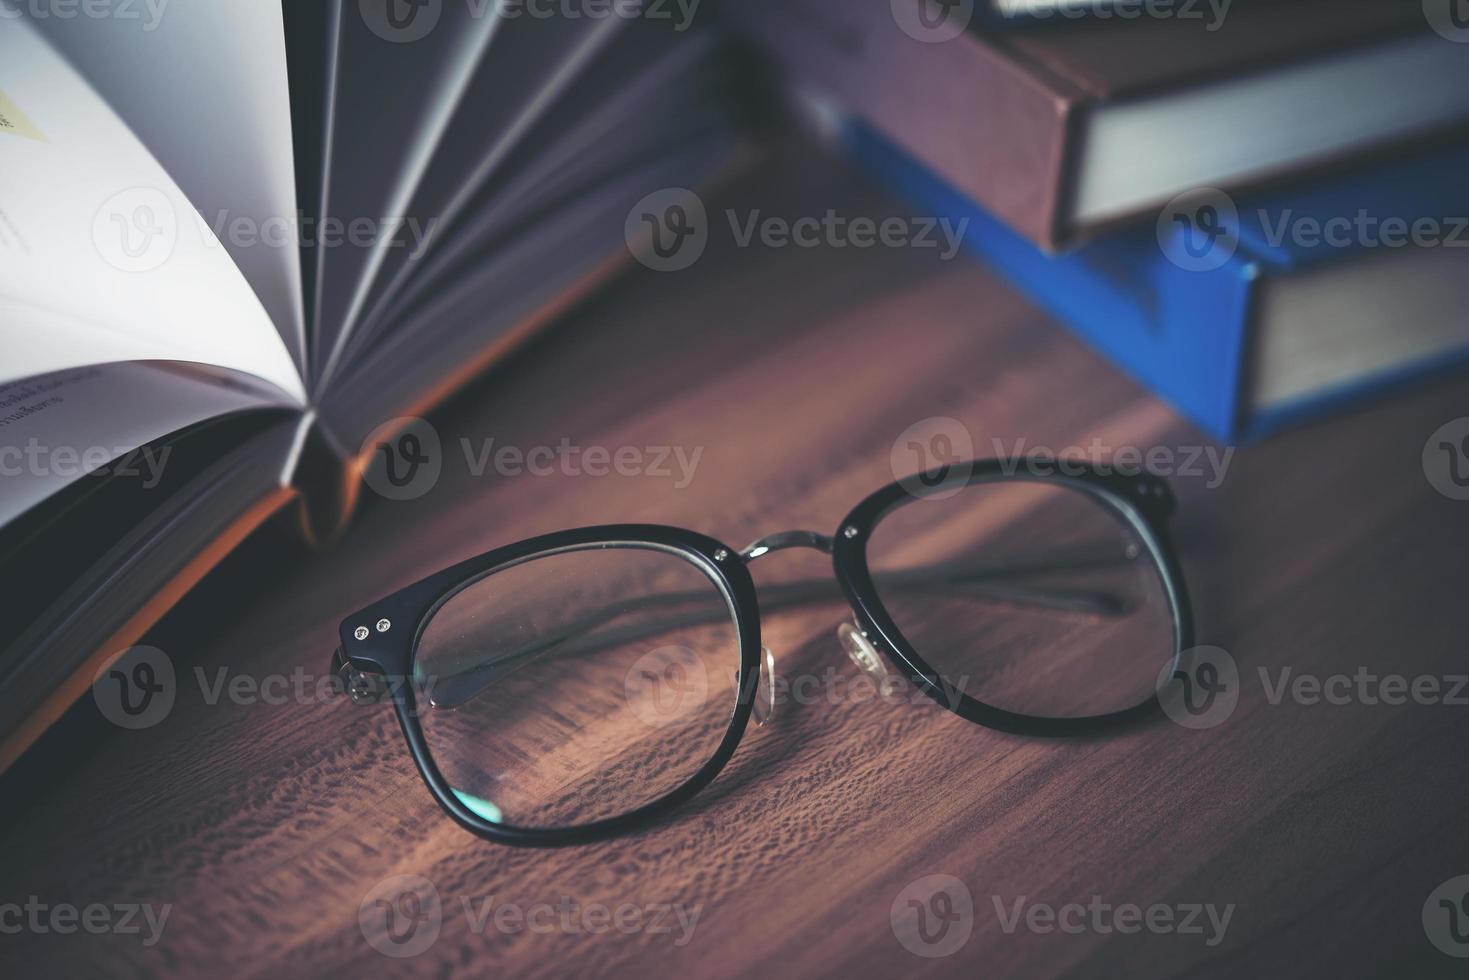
<point>574,637</point>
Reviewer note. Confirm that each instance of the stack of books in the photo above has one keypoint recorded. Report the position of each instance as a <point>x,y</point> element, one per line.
<point>1257,209</point>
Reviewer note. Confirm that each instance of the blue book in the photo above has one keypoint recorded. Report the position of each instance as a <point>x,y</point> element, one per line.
<point>1253,315</point>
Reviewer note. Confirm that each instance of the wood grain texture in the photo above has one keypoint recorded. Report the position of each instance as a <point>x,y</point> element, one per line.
<point>266,826</point>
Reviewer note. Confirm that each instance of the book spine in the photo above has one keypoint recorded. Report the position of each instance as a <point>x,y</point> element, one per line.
<point>995,130</point>
<point>326,480</point>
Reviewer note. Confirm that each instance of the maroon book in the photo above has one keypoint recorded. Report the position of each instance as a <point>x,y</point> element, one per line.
<point>1075,125</point>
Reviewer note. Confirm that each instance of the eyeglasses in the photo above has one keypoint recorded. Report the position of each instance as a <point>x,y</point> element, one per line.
<point>581,684</point>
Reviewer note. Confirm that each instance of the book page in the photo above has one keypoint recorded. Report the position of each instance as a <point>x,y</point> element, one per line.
<point>60,428</point>
<point>102,256</point>
<point>397,87</point>
<point>203,84</point>
<point>637,99</point>
<point>521,82</point>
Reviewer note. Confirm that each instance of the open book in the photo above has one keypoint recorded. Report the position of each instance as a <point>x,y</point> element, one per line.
<point>238,237</point>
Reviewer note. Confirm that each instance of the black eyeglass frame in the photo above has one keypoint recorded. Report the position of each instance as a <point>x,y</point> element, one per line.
<point>381,640</point>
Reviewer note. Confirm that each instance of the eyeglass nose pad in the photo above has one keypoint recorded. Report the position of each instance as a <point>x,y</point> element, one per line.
<point>861,652</point>
<point>763,707</point>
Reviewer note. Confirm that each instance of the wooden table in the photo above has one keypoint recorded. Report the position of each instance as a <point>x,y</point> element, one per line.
<point>265,826</point>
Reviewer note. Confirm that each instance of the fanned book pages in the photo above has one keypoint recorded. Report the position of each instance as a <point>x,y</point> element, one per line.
<point>236,238</point>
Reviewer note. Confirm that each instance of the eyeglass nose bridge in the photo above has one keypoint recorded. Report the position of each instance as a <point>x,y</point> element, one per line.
<point>785,540</point>
<point>852,638</point>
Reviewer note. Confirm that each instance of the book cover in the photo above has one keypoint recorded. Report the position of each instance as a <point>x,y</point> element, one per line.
<point>1083,125</point>
<point>1185,304</point>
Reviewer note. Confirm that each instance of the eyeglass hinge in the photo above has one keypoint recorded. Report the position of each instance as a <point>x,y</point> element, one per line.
<point>360,686</point>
